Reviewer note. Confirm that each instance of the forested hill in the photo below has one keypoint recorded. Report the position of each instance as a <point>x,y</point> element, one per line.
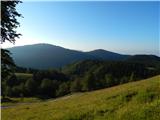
<point>44,56</point>
<point>81,76</point>
<point>107,55</point>
<point>145,59</point>
<point>116,68</point>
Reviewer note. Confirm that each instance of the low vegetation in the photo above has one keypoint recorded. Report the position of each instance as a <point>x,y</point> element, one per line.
<point>138,100</point>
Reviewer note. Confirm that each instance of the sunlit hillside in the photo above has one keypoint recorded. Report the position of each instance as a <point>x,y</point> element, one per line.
<point>132,101</point>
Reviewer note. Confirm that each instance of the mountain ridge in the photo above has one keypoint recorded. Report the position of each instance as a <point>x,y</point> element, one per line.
<point>44,56</point>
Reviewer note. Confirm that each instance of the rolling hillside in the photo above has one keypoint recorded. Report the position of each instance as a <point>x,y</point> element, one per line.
<point>44,56</point>
<point>107,55</point>
<point>132,101</point>
<point>150,60</point>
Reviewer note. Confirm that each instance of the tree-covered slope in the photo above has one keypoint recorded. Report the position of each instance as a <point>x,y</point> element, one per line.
<point>81,76</point>
<point>132,101</point>
<point>107,55</point>
<point>118,69</point>
<point>44,56</point>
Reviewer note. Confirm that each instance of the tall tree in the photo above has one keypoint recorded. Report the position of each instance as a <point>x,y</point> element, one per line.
<point>7,63</point>
<point>9,21</point>
<point>88,83</point>
<point>47,88</point>
<point>9,24</point>
<point>30,86</point>
<point>75,86</point>
<point>63,89</point>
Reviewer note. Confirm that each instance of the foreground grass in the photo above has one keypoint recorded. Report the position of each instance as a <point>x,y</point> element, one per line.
<point>133,101</point>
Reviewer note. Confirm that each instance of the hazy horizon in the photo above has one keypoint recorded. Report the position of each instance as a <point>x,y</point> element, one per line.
<point>121,27</point>
<point>84,50</point>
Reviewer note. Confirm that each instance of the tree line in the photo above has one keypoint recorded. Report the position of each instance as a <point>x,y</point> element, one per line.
<point>82,76</point>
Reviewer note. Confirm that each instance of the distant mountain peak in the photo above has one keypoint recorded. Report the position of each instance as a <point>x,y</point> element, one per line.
<point>44,56</point>
<point>102,50</point>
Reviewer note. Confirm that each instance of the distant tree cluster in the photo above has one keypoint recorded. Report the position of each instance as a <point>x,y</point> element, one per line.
<point>79,77</point>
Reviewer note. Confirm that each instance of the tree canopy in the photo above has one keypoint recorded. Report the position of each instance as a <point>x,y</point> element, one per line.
<point>9,21</point>
<point>9,24</point>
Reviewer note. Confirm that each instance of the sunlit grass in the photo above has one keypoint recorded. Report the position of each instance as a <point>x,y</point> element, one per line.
<point>132,101</point>
<point>23,75</point>
<point>14,101</point>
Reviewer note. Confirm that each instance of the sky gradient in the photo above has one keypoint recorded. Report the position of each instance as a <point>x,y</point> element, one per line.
<point>123,27</point>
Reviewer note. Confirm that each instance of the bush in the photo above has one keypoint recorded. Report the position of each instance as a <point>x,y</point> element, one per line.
<point>16,91</point>
<point>63,89</point>
<point>30,87</point>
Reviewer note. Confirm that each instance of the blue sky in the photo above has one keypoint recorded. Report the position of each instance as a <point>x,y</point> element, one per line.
<point>123,27</point>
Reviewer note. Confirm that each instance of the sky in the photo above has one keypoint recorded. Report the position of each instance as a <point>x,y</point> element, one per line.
<point>123,27</point>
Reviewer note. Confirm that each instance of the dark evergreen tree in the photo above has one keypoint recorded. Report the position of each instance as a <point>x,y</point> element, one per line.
<point>47,88</point>
<point>89,82</point>
<point>16,91</point>
<point>30,87</point>
<point>7,64</point>
<point>109,80</point>
<point>8,91</point>
<point>75,86</point>
<point>11,81</point>
<point>63,89</point>
<point>3,89</point>
<point>9,23</point>
<point>131,77</point>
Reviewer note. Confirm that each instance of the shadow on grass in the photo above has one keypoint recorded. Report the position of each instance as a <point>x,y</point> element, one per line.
<point>5,100</point>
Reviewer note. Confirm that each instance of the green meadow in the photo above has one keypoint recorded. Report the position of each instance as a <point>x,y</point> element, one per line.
<point>132,101</point>
<point>23,75</point>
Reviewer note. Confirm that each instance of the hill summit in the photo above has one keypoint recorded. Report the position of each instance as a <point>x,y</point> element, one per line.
<point>45,56</point>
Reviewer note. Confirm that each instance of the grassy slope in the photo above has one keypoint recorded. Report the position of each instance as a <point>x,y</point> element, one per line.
<point>14,101</point>
<point>24,75</point>
<point>132,101</point>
